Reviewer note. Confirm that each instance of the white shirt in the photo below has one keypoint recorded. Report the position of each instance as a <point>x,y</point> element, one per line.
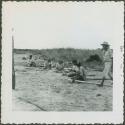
<point>107,55</point>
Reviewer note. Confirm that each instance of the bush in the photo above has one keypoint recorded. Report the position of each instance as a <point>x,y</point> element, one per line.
<point>94,58</point>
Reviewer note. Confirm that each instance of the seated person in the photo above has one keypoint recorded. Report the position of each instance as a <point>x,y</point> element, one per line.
<point>45,64</point>
<point>73,69</point>
<point>78,72</point>
<point>31,61</point>
<point>49,64</point>
<point>59,66</point>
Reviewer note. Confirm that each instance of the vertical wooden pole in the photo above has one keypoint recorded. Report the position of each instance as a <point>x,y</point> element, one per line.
<point>13,71</point>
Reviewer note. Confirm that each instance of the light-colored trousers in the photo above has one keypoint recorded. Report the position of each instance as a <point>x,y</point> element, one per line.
<point>107,72</point>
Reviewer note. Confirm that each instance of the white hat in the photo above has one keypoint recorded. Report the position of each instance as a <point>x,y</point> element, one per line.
<point>105,43</point>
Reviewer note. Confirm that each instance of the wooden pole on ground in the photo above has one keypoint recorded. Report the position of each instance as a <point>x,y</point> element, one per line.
<point>92,83</point>
<point>13,71</point>
<point>96,79</point>
<point>88,82</point>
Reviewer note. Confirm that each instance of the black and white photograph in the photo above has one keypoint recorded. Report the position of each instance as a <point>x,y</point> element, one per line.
<point>62,62</point>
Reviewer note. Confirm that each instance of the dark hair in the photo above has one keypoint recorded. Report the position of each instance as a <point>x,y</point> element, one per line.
<point>30,56</point>
<point>60,61</point>
<point>49,60</point>
<point>78,64</point>
<point>74,62</point>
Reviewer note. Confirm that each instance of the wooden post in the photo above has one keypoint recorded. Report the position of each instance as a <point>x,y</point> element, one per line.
<point>13,71</point>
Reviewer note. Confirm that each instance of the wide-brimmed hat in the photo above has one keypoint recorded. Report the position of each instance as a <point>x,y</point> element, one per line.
<point>105,43</point>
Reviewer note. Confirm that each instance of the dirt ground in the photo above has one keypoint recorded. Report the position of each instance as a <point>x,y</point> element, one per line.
<point>46,90</point>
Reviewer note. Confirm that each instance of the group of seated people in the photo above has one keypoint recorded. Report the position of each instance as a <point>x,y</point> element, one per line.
<point>76,71</point>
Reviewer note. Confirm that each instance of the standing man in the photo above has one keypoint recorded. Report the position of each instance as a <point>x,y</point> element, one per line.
<point>108,62</point>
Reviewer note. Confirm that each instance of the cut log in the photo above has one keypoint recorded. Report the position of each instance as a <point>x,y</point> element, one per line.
<point>90,82</point>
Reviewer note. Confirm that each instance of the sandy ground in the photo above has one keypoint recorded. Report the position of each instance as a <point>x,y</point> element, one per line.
<point>40,90</point>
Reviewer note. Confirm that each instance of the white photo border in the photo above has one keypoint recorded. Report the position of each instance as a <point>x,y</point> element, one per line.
<point>9,116</point>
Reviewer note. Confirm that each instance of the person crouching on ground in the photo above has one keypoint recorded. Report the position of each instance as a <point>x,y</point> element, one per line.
<point>108,62</point>
<point>74,69</point>
<point>45,64</point>
<point>49,64</point>
<point>59,65</point>
<point>78,72</point>
<point>31,61</point>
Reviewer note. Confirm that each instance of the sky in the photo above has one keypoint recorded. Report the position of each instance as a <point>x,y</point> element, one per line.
<point>85,25</point>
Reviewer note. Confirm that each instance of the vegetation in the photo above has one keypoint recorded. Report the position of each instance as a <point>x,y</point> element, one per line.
<point>67,54</point>
<point>94,58</point>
